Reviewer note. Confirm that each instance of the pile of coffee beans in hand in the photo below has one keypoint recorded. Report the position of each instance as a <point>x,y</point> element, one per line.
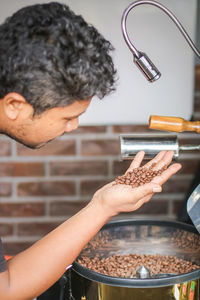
<point>139,176</point>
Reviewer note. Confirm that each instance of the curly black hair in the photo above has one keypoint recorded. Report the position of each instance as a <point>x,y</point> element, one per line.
<point>53,57</point>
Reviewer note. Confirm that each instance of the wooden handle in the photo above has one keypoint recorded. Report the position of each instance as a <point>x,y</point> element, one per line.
<point>173,124</point>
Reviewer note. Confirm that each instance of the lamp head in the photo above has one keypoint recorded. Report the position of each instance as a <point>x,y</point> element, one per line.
<point>146,66</point>
<point>140,58</point>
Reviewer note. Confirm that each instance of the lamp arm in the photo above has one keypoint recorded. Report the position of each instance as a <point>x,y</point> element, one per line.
<point>167,11</point>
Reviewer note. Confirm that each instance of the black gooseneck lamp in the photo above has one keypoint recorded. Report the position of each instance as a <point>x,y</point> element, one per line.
<point>140,58</point>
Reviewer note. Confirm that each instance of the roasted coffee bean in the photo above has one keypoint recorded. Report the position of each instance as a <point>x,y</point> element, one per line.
<point>126,265</point>
<point>139,176</point>
<point>186,240</point>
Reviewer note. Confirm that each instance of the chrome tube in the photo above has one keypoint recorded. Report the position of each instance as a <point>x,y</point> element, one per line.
<point>131,144</point>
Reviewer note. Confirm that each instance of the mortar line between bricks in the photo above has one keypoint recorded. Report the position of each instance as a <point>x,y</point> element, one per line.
<point>66,158</point>
<point>109,134</point>
<point>14,190</point>
<point>41,199</point>
<point>170,207</point>
<point>46,169</point>
<point>110,168</point>
<point>77,198</point>
<point>32,159</point>
<point>21,239</point>
<point>78,189</point>
<point>109,129</point>
<point>78,148</point>
<point>76,177</point>
<point>55,178</point>
<point>13,149</point>
<point>46,207</point>
<point>15,225</point>
<point>35,219</point>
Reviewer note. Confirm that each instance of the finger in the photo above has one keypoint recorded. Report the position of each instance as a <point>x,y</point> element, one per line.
<point>146,190</point>
<point>165,161</point>
<point>156,159</point>
<point>171,170</point>
<point>137,161</point>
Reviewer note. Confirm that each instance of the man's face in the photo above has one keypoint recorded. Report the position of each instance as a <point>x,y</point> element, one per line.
<point>36,131</point>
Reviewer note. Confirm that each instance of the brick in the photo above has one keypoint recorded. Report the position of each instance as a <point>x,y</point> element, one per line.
<point>90,187</point>
<point>56,147</point>
<point>178,206</point>
<point>100,147</point>
<point>21,209</point>
<point>36,229</point>
<point>176,185</point>
<point>196,116</point>
<point>188,141</point>
<point>197,104</point>
<point>197,78</point>
<point>13,248</point>
<point>21,169</point>
<point>189,167</point>
<point>131,128</point>
<point>5,148</point>
<point>120,167</point>
<point>5,189</point>
<point>66,208</point>
<point>78,168</point>
<point>89,129</point>
<point>46,188</point>
<point>6,229</point>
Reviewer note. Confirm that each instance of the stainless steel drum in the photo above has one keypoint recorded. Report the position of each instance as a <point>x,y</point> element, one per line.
<point>143,237</point>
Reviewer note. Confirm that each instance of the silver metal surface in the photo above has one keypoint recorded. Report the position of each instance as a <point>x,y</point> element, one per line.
<point>141,59</point>
<point>189,147</point>
<point>131,144</point>
<point>193,207</point>
<point>151,144</point>
<point>148,68</point>
<point>143,272</point>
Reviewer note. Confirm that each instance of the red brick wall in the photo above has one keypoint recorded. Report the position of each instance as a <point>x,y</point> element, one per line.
<point>39,189</point>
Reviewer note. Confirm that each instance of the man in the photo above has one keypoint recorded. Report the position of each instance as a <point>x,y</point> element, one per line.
<point>51,65</point>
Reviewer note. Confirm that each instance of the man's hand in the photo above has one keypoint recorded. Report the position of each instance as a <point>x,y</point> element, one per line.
<point>116,198</point>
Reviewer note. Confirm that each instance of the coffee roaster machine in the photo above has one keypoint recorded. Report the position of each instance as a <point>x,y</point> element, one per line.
<point>143,237</point>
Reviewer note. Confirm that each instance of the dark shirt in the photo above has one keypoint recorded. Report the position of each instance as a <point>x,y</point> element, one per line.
<point>3,264</point>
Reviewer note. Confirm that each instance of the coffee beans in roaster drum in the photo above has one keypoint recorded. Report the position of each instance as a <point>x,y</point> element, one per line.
<point>126,265</point>
<point>139,176</point>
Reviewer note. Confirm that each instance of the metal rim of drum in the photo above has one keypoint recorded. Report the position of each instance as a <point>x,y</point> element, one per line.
<point>136,282</point>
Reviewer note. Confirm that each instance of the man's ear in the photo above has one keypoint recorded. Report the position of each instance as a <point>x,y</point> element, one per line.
<point>13,104</point>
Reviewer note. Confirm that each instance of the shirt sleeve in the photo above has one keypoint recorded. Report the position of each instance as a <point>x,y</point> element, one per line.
<point>3,264</point>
